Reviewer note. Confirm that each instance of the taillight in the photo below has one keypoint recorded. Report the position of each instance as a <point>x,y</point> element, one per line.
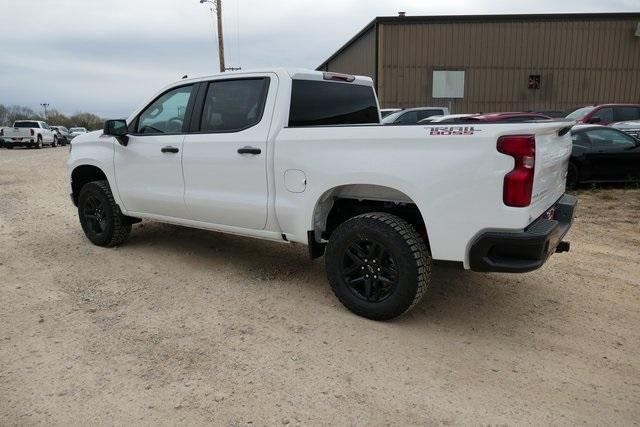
<point>518,184</point>
<point>32,132</point>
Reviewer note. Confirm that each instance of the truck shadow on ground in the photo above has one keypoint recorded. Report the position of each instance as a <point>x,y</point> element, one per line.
<point>455,298</point>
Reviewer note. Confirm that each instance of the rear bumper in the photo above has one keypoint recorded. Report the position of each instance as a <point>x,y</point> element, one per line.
<point>522,251</point>
<point>18,142</point>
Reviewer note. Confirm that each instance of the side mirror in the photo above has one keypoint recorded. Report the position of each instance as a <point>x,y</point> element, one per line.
<point>595,120</point>
<point>117,128</point>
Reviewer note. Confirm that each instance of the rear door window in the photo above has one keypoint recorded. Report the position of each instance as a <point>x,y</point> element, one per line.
<point>321,103</point>
<point>625,114</point>
<point>234,105</point>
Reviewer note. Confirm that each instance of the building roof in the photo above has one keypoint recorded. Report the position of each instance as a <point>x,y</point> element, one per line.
<point>440,19</point>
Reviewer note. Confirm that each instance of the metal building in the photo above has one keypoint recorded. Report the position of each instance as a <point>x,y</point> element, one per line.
<point>485,63</point>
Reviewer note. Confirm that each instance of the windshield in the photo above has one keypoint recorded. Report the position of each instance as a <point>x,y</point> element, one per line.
<point>25,125</point>
<point>580,112</point>
<point>392,117</point>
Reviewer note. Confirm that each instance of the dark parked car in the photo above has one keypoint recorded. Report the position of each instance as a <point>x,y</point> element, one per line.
<point>64,137</point>
<point>603,154</point>
<point>605,114</point>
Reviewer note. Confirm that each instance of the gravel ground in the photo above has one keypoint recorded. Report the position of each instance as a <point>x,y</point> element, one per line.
<point>189,326</point>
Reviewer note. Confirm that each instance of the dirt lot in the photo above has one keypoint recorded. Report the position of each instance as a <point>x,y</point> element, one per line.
<point>189,326</point>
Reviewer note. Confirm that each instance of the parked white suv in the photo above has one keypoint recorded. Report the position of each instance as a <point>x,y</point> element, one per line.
<point>412,116</point>
<point>73,132</point>
<point>29,133</point>
<point>300,156</point>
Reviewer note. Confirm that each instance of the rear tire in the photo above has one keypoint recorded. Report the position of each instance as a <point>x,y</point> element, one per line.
<point>100,217</point>
<point>39,142</point>
<point>378,265</point>
<point>55,142</point>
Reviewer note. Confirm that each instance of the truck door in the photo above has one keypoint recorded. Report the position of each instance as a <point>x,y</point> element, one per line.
<point>225,157</point>
<point>149,168</point>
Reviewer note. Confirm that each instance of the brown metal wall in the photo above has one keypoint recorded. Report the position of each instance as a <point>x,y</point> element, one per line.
<point>581,62</point>
<point>358,58</point>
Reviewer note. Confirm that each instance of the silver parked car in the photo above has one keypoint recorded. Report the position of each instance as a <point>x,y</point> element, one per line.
<point>631,127</point>
<point>73,132</point>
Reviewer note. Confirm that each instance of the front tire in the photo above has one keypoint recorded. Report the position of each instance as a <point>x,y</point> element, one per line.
<point>378,265</point>
<point>100,217</point>
<point>55,142</point>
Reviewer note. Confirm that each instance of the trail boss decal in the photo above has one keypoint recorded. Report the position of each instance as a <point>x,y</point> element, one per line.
<point>452,130</point>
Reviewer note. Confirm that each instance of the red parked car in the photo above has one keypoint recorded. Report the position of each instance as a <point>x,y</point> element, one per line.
<point>492,118</point>
<point>509,117</point>
<point>605,114</point>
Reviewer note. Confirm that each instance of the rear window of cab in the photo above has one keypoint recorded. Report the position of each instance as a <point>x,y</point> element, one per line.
<point>320,103</point>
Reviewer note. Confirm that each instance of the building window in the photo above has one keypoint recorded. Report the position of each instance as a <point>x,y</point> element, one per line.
<point>448,84</point>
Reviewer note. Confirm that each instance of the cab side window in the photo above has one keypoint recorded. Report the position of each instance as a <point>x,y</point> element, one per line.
<point>604,114</point>
<point>234,105</point>
<point>165,115</point>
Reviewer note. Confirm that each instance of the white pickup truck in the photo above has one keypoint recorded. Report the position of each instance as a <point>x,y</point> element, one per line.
<point>29,133</point>
<point>300,156</point>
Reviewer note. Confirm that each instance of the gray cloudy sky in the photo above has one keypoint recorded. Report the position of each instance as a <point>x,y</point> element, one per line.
<point>108,56</point>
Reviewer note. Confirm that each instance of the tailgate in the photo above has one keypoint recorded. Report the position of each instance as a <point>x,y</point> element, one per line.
<point>17,132</point>
<point>553,149</point>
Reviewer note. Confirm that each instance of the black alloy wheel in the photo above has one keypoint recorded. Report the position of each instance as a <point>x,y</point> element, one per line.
<point>94,215</point>
<point>369,270</point>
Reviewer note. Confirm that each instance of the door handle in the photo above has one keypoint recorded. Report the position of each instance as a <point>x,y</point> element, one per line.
<point>169,149</point>
<point>249,150</point>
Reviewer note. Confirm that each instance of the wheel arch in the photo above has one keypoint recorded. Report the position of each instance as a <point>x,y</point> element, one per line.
<point>345,201</point>
<point>83,174</point>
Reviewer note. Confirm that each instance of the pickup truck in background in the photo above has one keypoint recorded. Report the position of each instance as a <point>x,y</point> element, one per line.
<point>29,133</point>
<point>300,156</point>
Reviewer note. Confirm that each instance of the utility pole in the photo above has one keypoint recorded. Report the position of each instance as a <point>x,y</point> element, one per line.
<point>45,106</point>
<point>216,7</point>
<point>220,38</point>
